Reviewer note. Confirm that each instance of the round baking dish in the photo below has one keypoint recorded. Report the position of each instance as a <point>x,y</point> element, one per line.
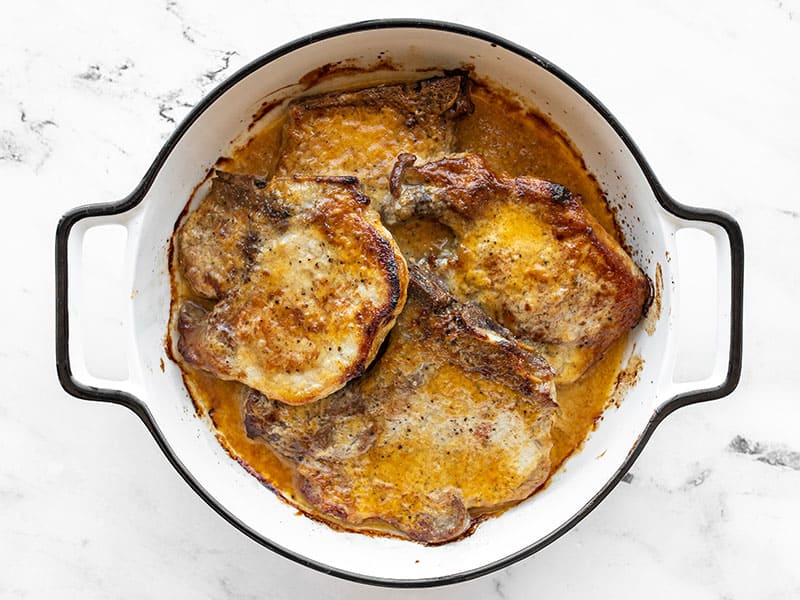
<point>155,390</point>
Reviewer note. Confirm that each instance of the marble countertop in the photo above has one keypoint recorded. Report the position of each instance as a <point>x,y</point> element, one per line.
<point>710,91</point>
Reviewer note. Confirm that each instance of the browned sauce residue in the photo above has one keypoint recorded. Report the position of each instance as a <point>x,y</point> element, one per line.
<point>654,313</point>
<point>627,378</point>
<point>513,139</point>
<point>264,110</point>
<point>344,67</point>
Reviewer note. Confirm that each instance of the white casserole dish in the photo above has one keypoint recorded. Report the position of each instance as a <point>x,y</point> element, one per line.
<point>649,219</point>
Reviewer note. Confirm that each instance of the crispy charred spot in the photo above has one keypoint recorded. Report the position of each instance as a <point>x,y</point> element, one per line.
<point>560,194</point>
<point>362,199</point>
<point>340,179</point>
<point>275,210</point>
<point>347,181</point>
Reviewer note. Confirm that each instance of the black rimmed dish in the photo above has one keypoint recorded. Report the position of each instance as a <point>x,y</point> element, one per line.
<point>650,220</point>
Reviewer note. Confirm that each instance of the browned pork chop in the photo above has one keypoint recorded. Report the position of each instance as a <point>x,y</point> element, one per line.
<point>362,132</point>
<point>309,284</point>
<point>220,238</point>
<point>528,253</point>
<point>454,415</point>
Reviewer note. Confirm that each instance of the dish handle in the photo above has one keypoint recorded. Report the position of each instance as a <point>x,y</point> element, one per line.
<point>729,244</point>
<point>70,358</point>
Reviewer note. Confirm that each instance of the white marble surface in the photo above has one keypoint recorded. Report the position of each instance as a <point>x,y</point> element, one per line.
<point>89,91</point>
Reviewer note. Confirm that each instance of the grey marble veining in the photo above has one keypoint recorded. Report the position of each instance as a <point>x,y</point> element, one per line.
<point>775,456</point>
<point>88,93</point>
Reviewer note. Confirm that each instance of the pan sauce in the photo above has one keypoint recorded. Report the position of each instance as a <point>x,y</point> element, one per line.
<point>513,140</point>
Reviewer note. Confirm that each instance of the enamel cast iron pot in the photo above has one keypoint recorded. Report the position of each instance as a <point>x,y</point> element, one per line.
<point>649,219</point>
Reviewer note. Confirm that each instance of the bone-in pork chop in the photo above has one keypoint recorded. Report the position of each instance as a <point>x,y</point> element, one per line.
<point>362,132</point>
<point>316,284</point>
<point>529,254</point>
<point>454,415</point>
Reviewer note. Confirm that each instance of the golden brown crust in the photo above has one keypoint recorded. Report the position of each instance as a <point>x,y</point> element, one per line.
<point>529,254</point>
<point>361,132</point>
<point>453,416</point>
<point>322,292</point>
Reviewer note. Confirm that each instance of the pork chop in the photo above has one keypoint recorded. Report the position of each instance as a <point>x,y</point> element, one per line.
<point>362,132</point>
<point>220,238</point>
<point>317,284</point>
<point>455,415</point>
<point>529,254</point>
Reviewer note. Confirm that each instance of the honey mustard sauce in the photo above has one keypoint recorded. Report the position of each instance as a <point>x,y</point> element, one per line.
<point>513,140</point>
